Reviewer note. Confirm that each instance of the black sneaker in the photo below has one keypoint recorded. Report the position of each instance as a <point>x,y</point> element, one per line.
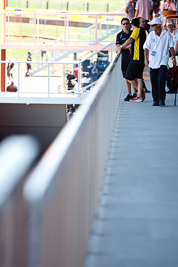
<point>128,97</point>
<point>170,92</point>
<point>155,103</point>
<point>161,103</point>
<point>134,95</point>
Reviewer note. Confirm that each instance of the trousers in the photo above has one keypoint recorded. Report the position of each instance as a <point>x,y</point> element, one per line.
<point>158,80</point>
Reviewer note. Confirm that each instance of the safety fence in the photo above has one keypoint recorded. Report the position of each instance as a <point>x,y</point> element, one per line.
<point>37,28</point>
<point>17,156</point>
<point>50,77</point>
<point>61,193</point>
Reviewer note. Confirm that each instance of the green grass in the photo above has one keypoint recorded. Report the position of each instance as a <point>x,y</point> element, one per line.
<point>74,5</point>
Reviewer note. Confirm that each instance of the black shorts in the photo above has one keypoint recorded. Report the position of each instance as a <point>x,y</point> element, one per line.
<point>124,65</point>
<point>134,70</point>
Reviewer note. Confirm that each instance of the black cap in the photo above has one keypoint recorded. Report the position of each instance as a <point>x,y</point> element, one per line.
<point>135,22</point>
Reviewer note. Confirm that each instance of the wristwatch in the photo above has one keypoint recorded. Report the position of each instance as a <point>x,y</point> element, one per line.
<point>121,46</point>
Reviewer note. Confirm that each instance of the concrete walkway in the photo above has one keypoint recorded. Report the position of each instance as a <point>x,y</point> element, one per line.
<point>137,222</point>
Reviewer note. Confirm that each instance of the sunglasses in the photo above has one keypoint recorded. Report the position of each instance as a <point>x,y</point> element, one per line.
<point>126,23</point>
<point>153,25</point>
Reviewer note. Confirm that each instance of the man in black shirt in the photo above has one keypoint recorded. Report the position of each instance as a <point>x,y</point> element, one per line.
<point>126,55</point>
<point>135,68</point>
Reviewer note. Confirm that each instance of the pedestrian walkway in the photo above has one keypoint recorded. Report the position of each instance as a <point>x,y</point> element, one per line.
<point>137,217</point>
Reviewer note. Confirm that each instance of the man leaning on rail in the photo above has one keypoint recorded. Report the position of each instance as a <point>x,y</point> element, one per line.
<point>126,56</point>
<point>157,46</point>
<point>134,73</point>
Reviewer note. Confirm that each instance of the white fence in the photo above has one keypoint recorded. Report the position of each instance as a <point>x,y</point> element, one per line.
<point>34,27</point>
<point>49,85</point>
<point>17,155</point>
<point>61,193</point>
<point>63,190</point>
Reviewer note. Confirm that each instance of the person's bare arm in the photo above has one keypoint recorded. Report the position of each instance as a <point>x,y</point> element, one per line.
<point>127,47</point>
<point>126,9</point>
<point>127,43</point>
<point>146,57</point>
<point>173,56</point>
<point>123,48</point>
<point>117,48</point>
<point>136,13</point>
<point>176,48</point>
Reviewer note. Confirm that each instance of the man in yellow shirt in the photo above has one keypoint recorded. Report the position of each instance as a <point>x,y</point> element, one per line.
<point>134,72</point>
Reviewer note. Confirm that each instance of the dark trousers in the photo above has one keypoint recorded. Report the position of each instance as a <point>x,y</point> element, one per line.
<point>158,79</point>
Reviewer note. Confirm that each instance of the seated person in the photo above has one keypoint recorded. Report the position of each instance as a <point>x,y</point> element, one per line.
<point>174,33</point>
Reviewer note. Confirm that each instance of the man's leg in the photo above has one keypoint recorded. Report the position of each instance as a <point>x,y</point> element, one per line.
<point>128,86</point>
<point>140,87</point>
<point>144,86</point>
<point>161,82</point>
<point>138,84</point>
<point>154,83</point>
<point>134,85</point>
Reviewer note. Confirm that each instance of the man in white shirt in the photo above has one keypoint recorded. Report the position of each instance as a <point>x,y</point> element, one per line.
<point>174,34</point>
<point>157,46</point>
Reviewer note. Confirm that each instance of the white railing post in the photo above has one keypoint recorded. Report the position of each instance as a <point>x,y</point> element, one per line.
<point>111,52</point>
<point>79,78</point>
<point>49,79</point>
<point>65,29</point>
<point>62,78</point>
<point>107,26</point>
<point>8,27</point>
<point>38,30</point>
<point>96,29</point>
<point>34,29</point>
<point>4,33</point>
<point>79,39</point>
<point>18,88</point>
<point>66,24</point>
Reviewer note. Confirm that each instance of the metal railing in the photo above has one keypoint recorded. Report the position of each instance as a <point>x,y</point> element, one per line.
<point>21,82</point>
<point>37,26</point>
<point>50,215</point>
<point>17,154</point>
<point>62,192</point>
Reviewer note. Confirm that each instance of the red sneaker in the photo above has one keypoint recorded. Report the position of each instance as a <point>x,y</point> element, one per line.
<point>143,94</point>
<point>136,99</point>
